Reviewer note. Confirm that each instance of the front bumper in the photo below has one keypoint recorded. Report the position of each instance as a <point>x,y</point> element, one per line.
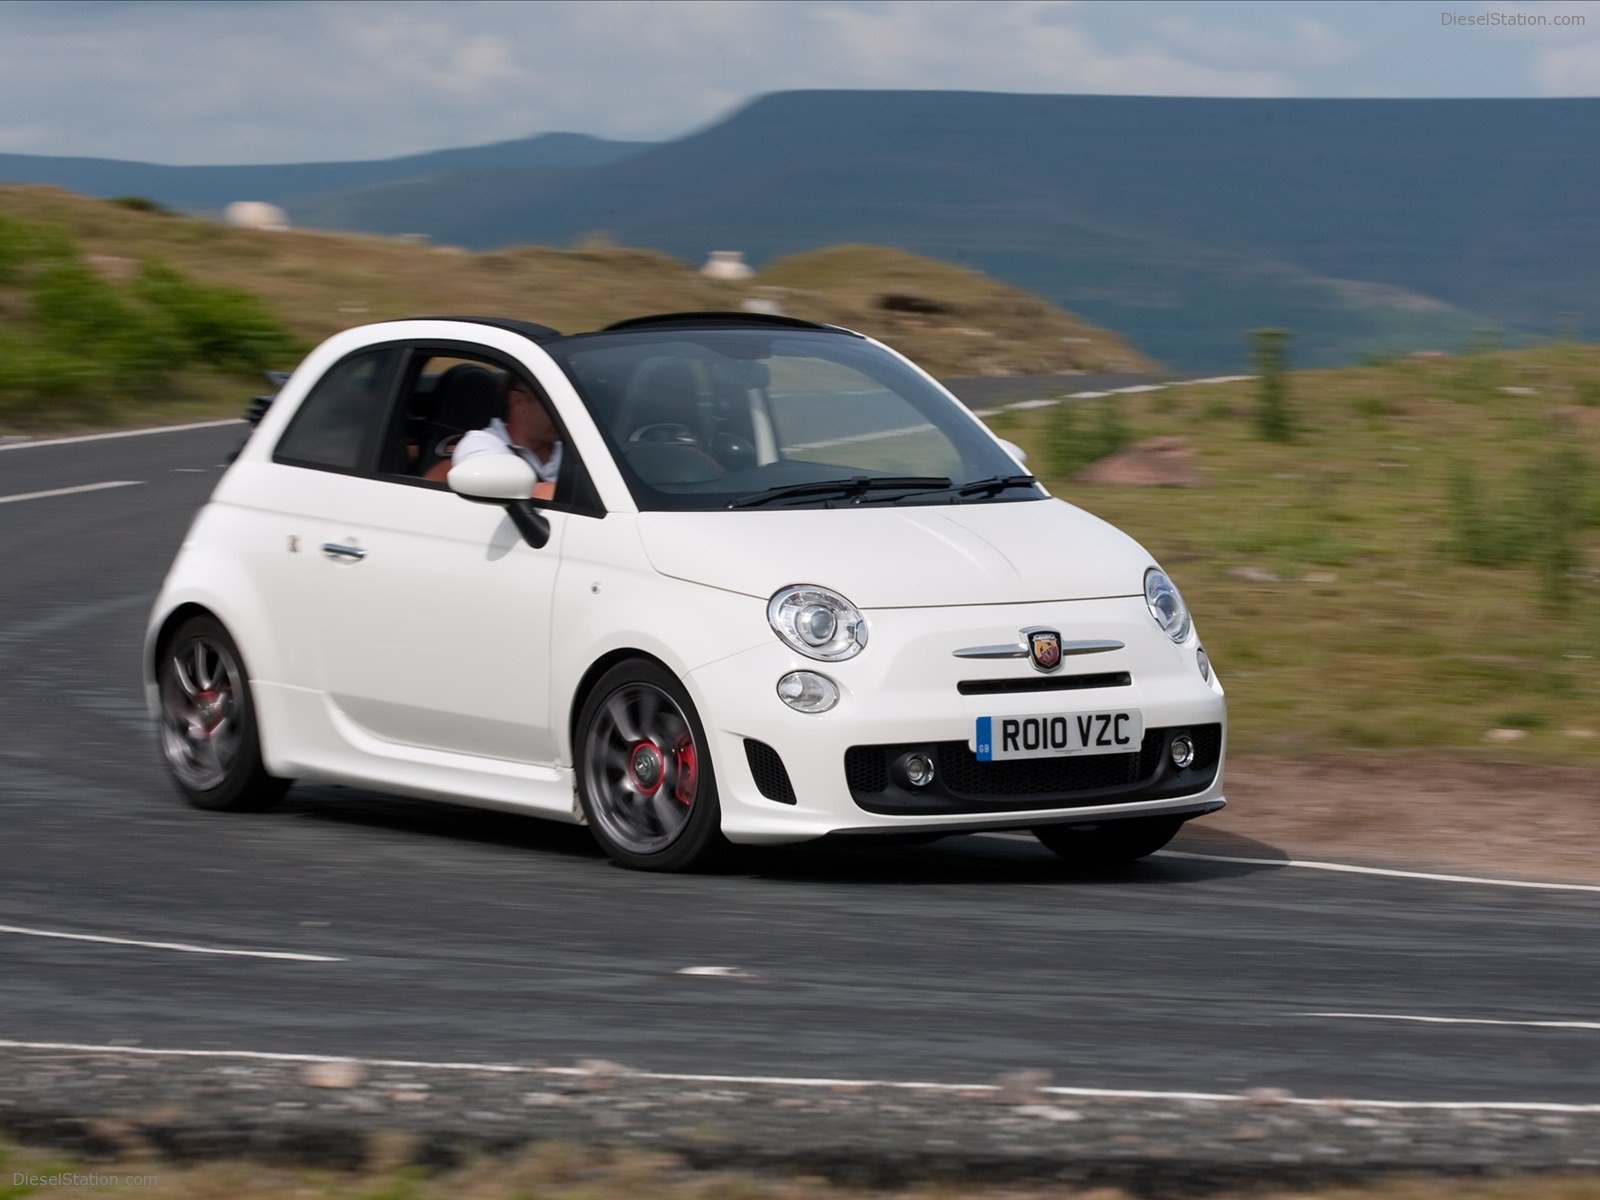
<point>787,776</point>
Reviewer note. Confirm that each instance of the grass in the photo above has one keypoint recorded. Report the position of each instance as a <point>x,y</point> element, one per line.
<point>558,1171</point>
<point>1335,579</point>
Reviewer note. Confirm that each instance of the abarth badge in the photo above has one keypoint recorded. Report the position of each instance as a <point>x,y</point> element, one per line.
<point>1044,648</point>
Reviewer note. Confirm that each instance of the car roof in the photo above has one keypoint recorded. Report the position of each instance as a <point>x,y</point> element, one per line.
<point>717,320</point>
<point>531,330</point>
<point>681,320</point>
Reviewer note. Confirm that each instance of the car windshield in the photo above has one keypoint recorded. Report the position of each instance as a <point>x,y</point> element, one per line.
<point>729,418</point>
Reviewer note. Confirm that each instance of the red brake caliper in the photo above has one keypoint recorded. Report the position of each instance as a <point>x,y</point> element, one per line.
<point>687,778</point>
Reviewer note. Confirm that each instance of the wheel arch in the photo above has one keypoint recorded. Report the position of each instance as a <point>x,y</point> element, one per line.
<point>162,630</point>
<point>162,637</point>
<point>593,673</point>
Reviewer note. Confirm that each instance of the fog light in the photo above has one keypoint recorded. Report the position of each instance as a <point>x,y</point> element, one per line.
<point>919,770</point>
<point>1182,751</point>
<point>808,692</point>
<point>1205,664</point>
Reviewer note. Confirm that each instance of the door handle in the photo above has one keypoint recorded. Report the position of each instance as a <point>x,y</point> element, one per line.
<point>335,550</point>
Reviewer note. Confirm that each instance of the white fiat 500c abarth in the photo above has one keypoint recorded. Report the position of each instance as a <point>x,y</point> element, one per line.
<point>785,587</point>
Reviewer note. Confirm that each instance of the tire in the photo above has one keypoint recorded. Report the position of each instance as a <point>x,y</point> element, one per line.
<point>1112,844</point>
<point>209,736</point>
<point>645,778</point>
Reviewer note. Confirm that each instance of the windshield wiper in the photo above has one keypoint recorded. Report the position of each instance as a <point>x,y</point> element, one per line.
<point>992,486</point>
<point>844,489</point>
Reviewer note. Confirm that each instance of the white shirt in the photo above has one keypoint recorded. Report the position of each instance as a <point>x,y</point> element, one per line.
<point>496,439</point>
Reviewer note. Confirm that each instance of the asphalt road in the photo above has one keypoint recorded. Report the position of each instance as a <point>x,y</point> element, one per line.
<point>466,936</point>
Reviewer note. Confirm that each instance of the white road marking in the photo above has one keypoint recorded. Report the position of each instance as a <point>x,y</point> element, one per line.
<point>1342,1102</point>
<point>718,972</point>
<point>1354,870</point>
<point>68,491</point>
<point>1310,865</point>
<point>876,435</point>
<point>1454,1020</point>
<point>122,433</point>
<point>182,947</point>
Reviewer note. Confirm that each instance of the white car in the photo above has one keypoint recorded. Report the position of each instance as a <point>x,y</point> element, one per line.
<point>786,587</point>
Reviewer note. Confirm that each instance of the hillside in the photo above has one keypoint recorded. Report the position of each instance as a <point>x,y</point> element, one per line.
<point>1367,227</point>
<point>318,283</point>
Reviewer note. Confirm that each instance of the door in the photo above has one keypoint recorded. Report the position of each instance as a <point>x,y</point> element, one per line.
<point>435,628</point>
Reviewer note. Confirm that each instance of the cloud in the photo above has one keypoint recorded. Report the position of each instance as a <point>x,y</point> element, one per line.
<point>1026,46</point>
<point>269,80</point>
<point>1569,71</point>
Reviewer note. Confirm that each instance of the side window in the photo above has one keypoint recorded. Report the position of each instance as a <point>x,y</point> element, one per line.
<point>340,422</point>
<point>448,392</point>
<point>449,396</point>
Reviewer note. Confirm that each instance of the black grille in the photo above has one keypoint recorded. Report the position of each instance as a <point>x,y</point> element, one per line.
<point>1207,746</point>
<point>768,771</point>
<point>1058,683</point>
<point>866,768</point>
<point>964,784</point>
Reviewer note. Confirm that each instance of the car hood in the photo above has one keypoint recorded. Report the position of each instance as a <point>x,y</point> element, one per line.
<point>903,557</point>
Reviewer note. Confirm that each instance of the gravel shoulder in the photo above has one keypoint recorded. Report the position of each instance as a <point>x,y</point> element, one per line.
<point>1418,812</point>
<point>107,1107</point>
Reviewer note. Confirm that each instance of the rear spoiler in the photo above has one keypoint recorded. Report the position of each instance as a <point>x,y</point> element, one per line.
<point>259,404</point>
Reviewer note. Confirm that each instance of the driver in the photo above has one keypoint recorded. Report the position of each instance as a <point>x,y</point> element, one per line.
<point>529,431</point>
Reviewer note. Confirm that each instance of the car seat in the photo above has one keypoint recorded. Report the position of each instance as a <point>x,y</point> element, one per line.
<point>466,397</point>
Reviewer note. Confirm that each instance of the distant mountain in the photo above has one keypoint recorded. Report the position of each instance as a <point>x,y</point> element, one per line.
<point>1363,226</point>
<point>211,188</point>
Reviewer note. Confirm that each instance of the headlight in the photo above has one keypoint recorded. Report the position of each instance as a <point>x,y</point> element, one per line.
<point>1166,605</point>
<point>816,622</point>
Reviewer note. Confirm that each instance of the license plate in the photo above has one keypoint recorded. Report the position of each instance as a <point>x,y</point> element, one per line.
<point>1057,734</point>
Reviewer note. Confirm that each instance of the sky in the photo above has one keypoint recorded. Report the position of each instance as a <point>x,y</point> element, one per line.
<point>258,81</point>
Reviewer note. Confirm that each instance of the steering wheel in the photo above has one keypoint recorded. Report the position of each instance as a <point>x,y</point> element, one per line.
<point>666,431</point>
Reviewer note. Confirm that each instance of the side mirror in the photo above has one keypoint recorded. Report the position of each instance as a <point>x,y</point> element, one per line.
<point>1016,451</point>
<point>503,479</point>
<point>494,477</point>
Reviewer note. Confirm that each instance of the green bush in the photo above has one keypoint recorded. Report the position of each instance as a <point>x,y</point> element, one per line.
<point>1558,486</point>
<point>1111,429</point>
<point>24,244</point>
<point>1488,528</point>
<point>220,326</point>
<point>1269,354</point>
<point>85,344</point>
<point>32,375</point>
<point>1538,518</point>
<point>76,312</point>
<point>1069,446</point>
